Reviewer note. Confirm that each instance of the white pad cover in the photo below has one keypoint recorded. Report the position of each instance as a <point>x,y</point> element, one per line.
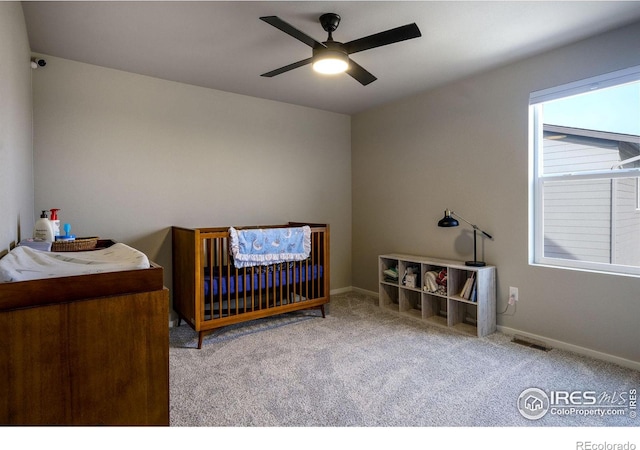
<point>24,263</point>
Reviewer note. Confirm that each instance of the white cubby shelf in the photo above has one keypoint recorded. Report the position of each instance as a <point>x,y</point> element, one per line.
<point>444,306</point>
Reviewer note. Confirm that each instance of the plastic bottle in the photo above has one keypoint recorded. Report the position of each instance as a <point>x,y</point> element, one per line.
<point>43,230</point>
<point>67,236</point>
<point>55,223</point>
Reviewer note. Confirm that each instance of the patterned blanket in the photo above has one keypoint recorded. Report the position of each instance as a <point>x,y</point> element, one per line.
<point>261,247</point>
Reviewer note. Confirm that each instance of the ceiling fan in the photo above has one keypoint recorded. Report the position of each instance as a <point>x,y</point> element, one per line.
<point>332,56</point>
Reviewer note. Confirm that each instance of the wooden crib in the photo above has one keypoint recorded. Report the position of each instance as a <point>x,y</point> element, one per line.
<point>209,292</point>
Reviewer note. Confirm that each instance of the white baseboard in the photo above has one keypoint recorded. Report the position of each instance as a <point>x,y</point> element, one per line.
<point>343,290</point>
<point>364,291</point>
<point>553,343</point>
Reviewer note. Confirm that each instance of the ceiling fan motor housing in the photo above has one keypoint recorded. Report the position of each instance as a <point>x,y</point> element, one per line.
<point>329,22</point>
<point>331,47</point>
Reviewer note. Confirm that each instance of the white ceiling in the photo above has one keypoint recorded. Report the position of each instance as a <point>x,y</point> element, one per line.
<point>224,45</point>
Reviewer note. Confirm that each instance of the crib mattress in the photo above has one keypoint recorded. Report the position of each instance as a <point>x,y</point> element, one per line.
<point>24,263</point>
<point>260,279</point>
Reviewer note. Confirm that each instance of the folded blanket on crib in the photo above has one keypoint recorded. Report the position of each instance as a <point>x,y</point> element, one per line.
<point>24,263</point>
<point>261,247</point>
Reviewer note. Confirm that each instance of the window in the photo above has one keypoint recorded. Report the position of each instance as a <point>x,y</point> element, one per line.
<point>585,174</point>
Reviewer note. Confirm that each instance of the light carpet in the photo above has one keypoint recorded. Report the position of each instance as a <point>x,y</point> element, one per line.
<point>365,367</point>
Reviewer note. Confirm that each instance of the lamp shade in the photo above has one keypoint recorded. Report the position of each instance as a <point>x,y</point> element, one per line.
<point>447,220</point>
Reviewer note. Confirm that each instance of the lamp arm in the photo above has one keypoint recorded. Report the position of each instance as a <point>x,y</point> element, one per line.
<point>475,227</point>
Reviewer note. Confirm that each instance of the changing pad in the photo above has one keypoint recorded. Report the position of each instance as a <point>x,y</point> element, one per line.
<point>24,263</point>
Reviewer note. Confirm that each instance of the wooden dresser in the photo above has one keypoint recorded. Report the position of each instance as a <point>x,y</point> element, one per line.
<point>85,350</point>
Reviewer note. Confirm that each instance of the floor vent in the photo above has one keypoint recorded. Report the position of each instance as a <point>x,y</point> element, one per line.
<point>530,343</point>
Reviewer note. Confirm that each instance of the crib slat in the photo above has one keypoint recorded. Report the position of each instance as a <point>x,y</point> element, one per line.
<point>272,275</point>
<point>247,297</point>
<point>273,289</point>
<point>299,298</point>
<point>228,277</point>
<point>209,262</point>
<point>260,291</point>
<point>303,266</point>
<point>306,279</point>
<point>253,291</point>
<point>280,282</point>
<point>314,264</point>
<point>244,290</point>
<point>218,264</point>
<point>294,288</point>
<point>266,286</point>
<point>290,269</point>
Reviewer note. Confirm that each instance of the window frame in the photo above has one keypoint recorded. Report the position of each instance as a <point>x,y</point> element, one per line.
<point>537,178</point>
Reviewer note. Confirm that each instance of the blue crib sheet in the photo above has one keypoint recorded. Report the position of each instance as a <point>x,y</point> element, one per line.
<point>260,279</point>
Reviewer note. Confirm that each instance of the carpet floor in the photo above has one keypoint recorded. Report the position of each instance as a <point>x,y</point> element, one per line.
<point>364,367</point>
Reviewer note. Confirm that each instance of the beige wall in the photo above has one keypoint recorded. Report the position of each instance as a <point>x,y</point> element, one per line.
<point>127,156</point>
<point>16,156</point>
<point>465,147</point>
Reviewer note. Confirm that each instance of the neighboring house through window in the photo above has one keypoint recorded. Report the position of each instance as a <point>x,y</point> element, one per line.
<point>585,174</point>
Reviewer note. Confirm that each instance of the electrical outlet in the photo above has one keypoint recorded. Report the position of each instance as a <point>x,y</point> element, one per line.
<point>513,294</point>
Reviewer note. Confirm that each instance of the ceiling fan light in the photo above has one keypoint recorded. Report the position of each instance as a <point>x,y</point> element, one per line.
<point>330,62</point>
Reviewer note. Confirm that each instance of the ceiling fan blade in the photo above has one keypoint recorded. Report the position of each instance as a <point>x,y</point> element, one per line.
<point>359,73</point>
<point>383,38</point>
<point>284,69</point>
<point>292,31</point>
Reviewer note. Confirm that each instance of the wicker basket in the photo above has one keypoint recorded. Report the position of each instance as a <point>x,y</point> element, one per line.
<point>79,245</point>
